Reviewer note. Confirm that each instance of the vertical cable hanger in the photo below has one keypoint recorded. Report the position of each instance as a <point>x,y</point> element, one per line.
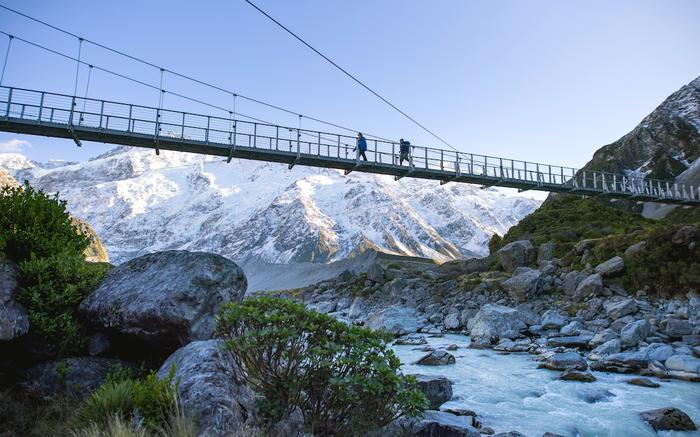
<point>77,66</point>
<point>87,86</point>
<point>7,54</point>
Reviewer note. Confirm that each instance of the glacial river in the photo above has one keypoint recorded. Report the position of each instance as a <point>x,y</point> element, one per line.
<point>509,393</point>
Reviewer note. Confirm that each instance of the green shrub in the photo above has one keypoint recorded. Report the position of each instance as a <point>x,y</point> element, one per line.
<point>34,224</point>
<point>344,379</point>
<point>150,401</point>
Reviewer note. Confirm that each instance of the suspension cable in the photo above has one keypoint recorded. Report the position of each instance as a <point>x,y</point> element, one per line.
<point>348,74</point>
<point>184,76</point>
<point>7,54</point>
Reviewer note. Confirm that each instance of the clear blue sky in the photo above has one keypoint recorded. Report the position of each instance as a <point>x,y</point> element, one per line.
<point>547,81</point>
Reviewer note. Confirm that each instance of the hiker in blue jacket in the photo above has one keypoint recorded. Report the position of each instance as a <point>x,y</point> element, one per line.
<point>404,151</point>
<point>361,145</point>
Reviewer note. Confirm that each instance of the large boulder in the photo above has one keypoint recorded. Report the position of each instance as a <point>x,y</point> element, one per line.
<point>516,254</point>
<point>437,389</point>
<point>357,308</point>
<point>683,363</point>
<point>72,377</point>
<point>552,319</point>
<point>571,280</point>
<point>608,348</point>
<point>634,332</point>
<point>625,362</point>
<point>394,319</point>
<point>564,361</point>
<point>13,316</point>
<point>211,388</point>
<point>668,419</point>
<point>611,267</point>
<point>676,328</point>
<point>591,286</point>
<point>166,299</point>
<point>453,320</point>
<point>523,284</point>
<point>494,322</point>
<point>578,341</point>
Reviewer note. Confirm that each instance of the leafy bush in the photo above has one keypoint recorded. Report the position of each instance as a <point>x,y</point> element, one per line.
<point>150,402</point>
<point>34,224</point>
<point>344,379</point>
<point>37,233</point>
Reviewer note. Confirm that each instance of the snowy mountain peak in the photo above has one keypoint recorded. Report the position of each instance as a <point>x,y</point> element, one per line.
<point>247,210</point>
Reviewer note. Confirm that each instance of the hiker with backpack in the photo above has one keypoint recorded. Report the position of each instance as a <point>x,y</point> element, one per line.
<point>404,151</point>
<point>361,146</point>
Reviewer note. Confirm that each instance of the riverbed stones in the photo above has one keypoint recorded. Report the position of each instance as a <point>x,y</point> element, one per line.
<point>676,328</point>
<point>13,317</point>
<point>571,280</point>
<point>411,340</point>
<point>634,332</point>
<point>516,254</point>
<point>608,348</point>
<point>611,267</point>
<point>437,389</point>
<point>577,341</point>
<point>210,387</point>
<point>564,361</point>
<point>452,320</point>
<point>616,310</point>
<point>166,299</point>
<point>437,357</point>
<point>683,363</point>
<point>441,424</point>
<point>394,319</point>
<point>668,419</point>
<point>494,322</point>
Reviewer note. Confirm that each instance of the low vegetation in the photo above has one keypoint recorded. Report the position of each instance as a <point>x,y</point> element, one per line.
<point>38,235</point>
<point>343,379</point>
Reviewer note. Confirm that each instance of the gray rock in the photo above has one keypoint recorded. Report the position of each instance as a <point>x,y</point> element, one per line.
<point>571,280</point>
<point>595,395</point>
<point>631,361</point>
<point>608,348</point>
<point>375,273</point>
<point>527,314</point>
<point>166,298</point>
<point>72,377</point>
<point>637,247</point>
<point>686,235</point>
<point>552,319</point>
<point>437,389</point>
<point>572,328</point>
<point>622,308</point>
<point>683,363</point>
<point>343,303</point>
<point>459,267</point>
<point>546,251</point>
<point>396,320</point>
<point>603,336</point>
<point>441,424</point>
<point>564,361</point>
<point>494,322</point>
<point>211,388</point>
<point>325,307</point>
<point>436,358</point>
<point>611,267</point>
<point>357,309</point>
<point>591,286</point>
<point>575,375</point>
<point>584,245</point>
<point>676,328</point>
<point>411,340</point>
<point>578,341</point>
<point>516,254</point>
<point>452,320</point>
<point>523,284</point>
<point>634,332</point>
<point>13,317</point>
<point>668,419</point>
<point>643,382</point>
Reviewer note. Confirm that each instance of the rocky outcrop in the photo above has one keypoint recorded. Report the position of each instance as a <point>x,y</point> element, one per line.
<point>437,389</point>
<point>441,424</point>
<point>210,387</point>
<point>72,377</point>
<point>494,322</point>
<point>166,299</point>
<point>13,316</point>
<point>517,254</point>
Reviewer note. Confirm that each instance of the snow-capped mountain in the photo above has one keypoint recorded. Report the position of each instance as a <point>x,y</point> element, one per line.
<point>138,202</point>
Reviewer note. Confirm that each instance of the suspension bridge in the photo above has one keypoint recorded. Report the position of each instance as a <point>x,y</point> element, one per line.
<point>45,113</point>
<point>86,119</point>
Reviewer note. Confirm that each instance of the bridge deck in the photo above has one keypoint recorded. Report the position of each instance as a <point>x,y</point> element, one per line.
<point>57,115</point>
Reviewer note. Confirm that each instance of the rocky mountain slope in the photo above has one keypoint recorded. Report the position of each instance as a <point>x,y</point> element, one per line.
<point>139,202</point>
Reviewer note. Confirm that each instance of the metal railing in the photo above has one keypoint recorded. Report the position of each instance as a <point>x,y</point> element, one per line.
<point>45,108</point>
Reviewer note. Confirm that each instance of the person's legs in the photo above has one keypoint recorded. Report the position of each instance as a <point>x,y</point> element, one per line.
<point>362,154</point>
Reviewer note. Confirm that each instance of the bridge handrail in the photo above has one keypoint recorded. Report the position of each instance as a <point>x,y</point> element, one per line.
<point>216,129</point>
